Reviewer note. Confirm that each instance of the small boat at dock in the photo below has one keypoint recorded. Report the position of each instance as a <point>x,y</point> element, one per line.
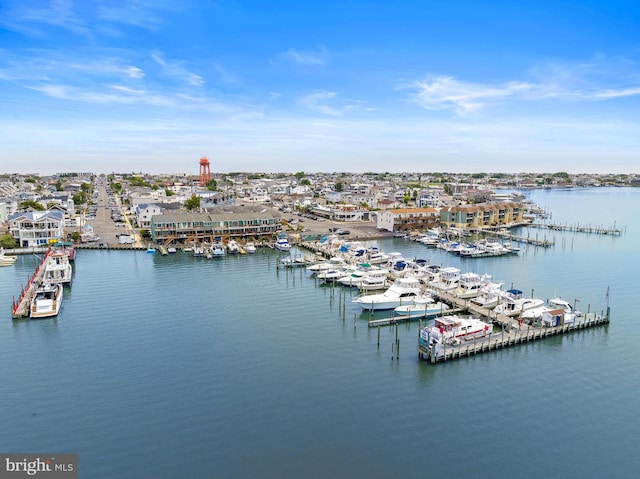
<point>47,301</point>
<point>452,330</point>
<point>422,307</point>
<point>6,260</point>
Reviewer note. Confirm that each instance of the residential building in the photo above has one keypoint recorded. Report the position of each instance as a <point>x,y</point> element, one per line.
<point>404,219</point>
<point>185,228</point>
<point>482,215</point>
<point>36,228</point>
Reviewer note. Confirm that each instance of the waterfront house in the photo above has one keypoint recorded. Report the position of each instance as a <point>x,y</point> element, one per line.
<point>36,228</point>
<point>144,213</point>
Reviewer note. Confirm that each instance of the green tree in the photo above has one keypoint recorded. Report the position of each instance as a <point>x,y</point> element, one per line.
<point>339,187</point>
<point>79,198</point>
<point>168,192</point>
<point>146,234</point>
<point>299,175</point>
<point>212,185</point>
<point>305,181</point>
<point>85,187</point>
<point>75,236</point>
<point>8,242</point>
<point>406,198</point>
<point>59,185</point>
<point>25,205</point>
<point>192,203</point>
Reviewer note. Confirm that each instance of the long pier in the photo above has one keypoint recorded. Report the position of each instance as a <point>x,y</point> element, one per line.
<point>441,352</point>
<point>20,308</point>
<point>518,239</point>
<point>577,228</point>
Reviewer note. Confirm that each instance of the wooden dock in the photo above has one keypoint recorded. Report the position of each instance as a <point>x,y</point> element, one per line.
<point>577,228</point>
<point>518,239</point>
<point>20,308</point>
<point>508,337</point>
<point>400,318</point>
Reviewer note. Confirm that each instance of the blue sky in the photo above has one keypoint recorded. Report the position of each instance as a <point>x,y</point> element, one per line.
<point>286,86</point>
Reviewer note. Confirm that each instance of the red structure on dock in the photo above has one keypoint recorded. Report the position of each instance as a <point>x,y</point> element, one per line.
<point>205,172</point>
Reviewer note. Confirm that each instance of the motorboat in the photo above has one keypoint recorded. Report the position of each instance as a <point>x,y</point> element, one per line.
<point>250,247</point>
<point>232,247</point>
<point>6,260</point>
<point>355,278</point>
<point>47,301</point>
<point>452,330</point>
<point>282,244</point>
<point>217,250</point>
<point>422,307</point>
<point>375,280</point>
<point>402,291</point>
<point>470,285</point>
<point>489,295</point>
<point>553,305</point>
<point>57,268</point>
<point>333,275</point>
<point>331,263</point>
<point>512,303</point>
<point>171,249</point>
<point>448,279</point>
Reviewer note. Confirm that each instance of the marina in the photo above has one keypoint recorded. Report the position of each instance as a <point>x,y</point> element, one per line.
<point>96,352</point>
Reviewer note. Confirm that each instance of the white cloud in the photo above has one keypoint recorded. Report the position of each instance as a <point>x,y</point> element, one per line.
<point>176,69</point>
<point>318,102</point>
<point>445,92</point>
<point>307,57</point>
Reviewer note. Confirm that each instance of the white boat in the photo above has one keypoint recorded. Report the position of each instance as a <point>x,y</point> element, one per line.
<point>6,260</point>
<point>422,307</point>
<point>512,303</point>
<point>171,249</point>
<point>217,250</point>
<point>402,291</point>
<point>448,279</point>
<point>331,263</point>
<point>47,301</point>
<point>375,280</point>
<point>355,278</point>
<point>333,275</point>
<point>198,250</point>
<point>470,285</point>
<point>250,247</point>
<point>489,296</point>
<point>553,305</point>
<point>232,247</point>
<point>57,268</point>
<point>452,330</point>
<point>282,244</point>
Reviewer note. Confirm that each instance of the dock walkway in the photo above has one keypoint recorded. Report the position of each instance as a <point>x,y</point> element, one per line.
<point>520,335</point>
<point>577,228</point>
<point>20,308</point>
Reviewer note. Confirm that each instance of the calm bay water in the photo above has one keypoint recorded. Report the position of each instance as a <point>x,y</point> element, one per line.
<point>162,367</point>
